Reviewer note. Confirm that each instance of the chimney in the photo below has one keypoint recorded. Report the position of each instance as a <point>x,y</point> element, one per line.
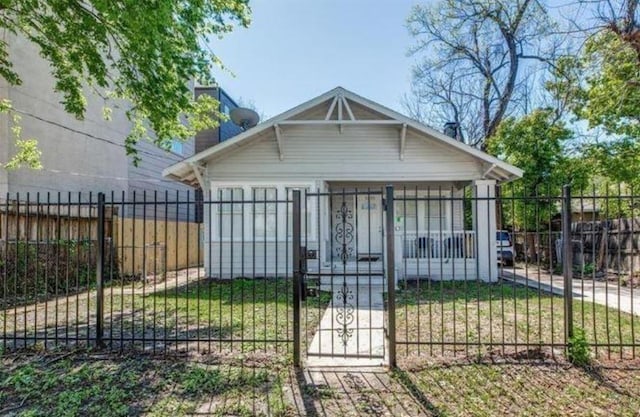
<point>452,129</point>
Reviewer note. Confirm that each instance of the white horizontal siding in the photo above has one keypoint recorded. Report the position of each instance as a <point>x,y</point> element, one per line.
<point>250,259</point>
<point>440,269</point>
<point>360,153</point>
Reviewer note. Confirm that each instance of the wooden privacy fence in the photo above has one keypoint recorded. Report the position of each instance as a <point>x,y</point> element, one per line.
<point>134,246</point>
<point>42,222</point>
<point>145,247</point>
<point>608,244</point>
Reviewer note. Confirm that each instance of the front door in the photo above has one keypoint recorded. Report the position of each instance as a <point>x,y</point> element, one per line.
<point>369,227</point>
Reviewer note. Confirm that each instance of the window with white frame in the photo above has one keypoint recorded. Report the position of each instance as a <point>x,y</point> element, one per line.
<point>435,215</point>
<point>408,211</point>
<point>306,209</point>
<point>423,213</point>
<point>265,212</point>
<point>230,213</point>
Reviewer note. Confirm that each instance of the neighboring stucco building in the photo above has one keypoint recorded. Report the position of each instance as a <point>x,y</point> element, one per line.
<point>340,150</point>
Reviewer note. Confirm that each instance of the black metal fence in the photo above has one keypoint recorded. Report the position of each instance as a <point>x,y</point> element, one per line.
<point>346,272</point>
<point>75,272</point>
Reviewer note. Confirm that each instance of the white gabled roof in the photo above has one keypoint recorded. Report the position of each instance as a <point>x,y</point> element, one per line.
<point>188,170</point>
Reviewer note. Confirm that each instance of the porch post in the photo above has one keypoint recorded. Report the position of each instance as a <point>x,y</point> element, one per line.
<point>484,224</point>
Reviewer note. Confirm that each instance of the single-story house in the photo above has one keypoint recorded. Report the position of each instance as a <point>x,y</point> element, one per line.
<point>340,150</point>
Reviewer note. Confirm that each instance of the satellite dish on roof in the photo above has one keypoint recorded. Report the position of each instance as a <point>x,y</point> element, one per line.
<point>243,117</point>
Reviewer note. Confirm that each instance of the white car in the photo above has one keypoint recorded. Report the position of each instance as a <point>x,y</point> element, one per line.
<point>506,250</point>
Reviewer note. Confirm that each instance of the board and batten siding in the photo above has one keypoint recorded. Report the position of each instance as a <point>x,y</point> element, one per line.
<point>359,153</point>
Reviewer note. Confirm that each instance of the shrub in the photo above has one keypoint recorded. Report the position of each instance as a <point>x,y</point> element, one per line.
<point>29,270</point>
<point>578,348</point>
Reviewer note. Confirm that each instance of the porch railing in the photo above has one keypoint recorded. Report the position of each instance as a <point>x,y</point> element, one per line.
<point>438,244</point>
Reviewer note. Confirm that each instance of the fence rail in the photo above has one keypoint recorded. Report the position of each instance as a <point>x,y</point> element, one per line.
<point>263,270</point>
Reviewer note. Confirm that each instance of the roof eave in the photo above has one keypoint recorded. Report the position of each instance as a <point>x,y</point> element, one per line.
<point>175,171</point>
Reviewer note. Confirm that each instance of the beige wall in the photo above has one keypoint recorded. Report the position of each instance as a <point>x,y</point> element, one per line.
<point>77,156</point>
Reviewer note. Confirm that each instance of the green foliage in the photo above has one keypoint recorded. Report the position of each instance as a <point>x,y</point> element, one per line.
<point>197,381</point>
<point>588,269</point>
<point>27,153</point>
<point>32,270</point>
<point>81,390</point>
<point>33,385</point>
<point>538,143</point>
<point>602,87</point>
<point>145,53</point>
<point>578,348</point>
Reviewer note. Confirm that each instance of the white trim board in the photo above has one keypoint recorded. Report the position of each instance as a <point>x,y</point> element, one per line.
<point>183,172</point>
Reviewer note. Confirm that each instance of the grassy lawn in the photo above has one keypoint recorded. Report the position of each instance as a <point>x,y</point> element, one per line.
<point>87,384</point>
<point>451,314</point>
<point>256,315</point>
<point>250,314</point>
<point>525,389</point>
<point>241,315</point>
<point>80,385</point>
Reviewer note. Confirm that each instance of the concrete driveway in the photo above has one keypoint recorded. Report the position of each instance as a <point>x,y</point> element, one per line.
<point>602,292</point>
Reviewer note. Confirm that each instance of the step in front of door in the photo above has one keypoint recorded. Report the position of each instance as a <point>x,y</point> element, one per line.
<point>334,281</point>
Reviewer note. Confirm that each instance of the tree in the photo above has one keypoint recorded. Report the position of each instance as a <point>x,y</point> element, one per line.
<point>621,19</point>
<point>602,87</point>
<point>539,144</point>
<point>473,59</point>
<point>27,154</point>
<point>145,53</point>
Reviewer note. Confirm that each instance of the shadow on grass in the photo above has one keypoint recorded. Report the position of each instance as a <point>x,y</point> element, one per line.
<point>403,378</point>
<point>126,332</point>
<point>233,291</point>
<point>203,315</point>
<point>508,385</point>
<point>602,375</point>
<point>132,386</point>
<point>415,291</point>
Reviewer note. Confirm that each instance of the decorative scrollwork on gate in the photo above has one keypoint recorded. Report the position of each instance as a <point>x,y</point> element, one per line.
<point>344,313</point>
<point>343,232</point>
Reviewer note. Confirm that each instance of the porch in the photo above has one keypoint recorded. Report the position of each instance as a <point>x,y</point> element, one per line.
<point>441,255</point>
<point>344,231</point>
<point>418,255</point>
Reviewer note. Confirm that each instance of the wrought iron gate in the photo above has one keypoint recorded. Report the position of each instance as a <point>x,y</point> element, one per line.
<point>342,273</point>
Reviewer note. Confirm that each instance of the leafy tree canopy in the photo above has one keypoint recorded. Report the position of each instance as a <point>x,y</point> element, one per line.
<point>538,143</point>
<point>144,52</point>
<point>602,87</point>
